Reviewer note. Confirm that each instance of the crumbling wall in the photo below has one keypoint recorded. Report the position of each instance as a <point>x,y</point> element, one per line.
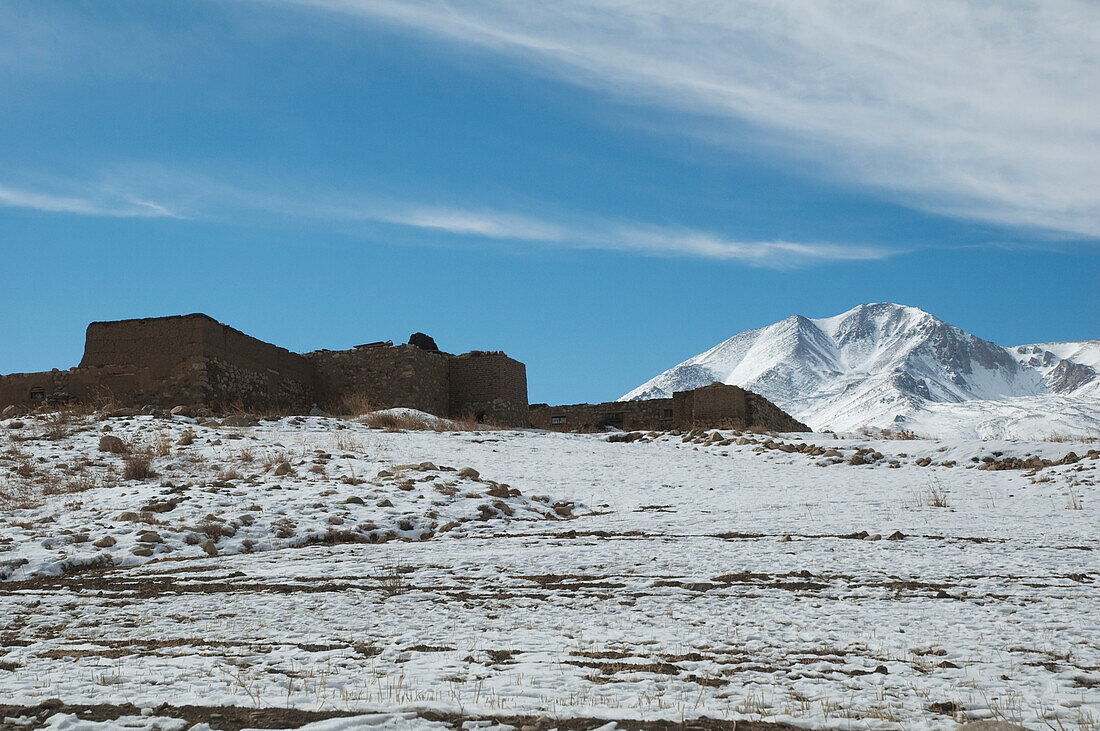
<point>647,415</point>
<point>241,371</point>
<point>384,376</point>
<point>716,405</point>
<point>488,385</point>
<point>194,359</point>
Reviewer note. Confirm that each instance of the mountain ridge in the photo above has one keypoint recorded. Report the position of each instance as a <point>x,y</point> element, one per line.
<point>885,365</point>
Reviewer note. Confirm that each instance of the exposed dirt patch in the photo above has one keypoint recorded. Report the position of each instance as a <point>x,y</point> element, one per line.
<point>234,718</point>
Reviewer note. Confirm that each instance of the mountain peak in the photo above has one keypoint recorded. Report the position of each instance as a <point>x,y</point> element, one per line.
<point>877,364</point>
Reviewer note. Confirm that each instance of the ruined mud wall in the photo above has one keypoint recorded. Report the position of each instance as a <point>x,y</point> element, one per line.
<point>194,359</point>
<point>488,385</point>
<point>649,415</point>
<point>384,376</point>
<point>765,415</point>
<point>239,370</point>
<point>716,405</point>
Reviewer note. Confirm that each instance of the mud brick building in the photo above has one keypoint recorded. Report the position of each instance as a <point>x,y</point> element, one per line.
<point>713,406</point>
<point>194,360</point>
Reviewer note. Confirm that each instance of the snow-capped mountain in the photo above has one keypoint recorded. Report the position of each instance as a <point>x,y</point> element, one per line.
<point>887,365</point>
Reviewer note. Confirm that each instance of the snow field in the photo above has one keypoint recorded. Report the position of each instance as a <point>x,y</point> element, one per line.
<point>697,578</point>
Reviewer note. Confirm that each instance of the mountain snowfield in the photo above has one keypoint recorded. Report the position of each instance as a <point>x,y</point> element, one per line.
<point>885,365</point>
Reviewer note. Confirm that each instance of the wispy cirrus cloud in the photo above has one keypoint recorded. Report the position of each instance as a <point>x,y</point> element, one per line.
<point>975,110</point>
<point>115,206</point>
<point>184,195</point>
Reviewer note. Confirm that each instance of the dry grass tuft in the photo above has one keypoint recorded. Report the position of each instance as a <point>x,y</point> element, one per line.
<point>400,421</point>
<point>357,404</point>
<point>138,467</point>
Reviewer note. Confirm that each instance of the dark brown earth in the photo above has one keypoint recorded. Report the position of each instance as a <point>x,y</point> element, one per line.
<point>233,718</point>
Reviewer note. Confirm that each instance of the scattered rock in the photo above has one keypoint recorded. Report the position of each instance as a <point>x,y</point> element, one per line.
<point>895,536</point>
<point>991,726</point>
<point>469,473</point>
<point>143,551</point>
<point>283,468</point>
<point>209,547</point>
<point>238,420</point>
<point>112,444</point>
<point>426,466</point>
<point>149,536</point>
<point>355,500</point>
<point>385,503</point>
<point>105,542</point>
<point>160,506</point>
<point>129,515</point>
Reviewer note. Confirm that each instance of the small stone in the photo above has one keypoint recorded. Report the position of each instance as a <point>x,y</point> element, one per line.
<point>149,536</point>
<point>469,473</point>
<point>991,726</point>
<point>355,500</point>
<point>105,542</point>
<point>426,466</point>
<point>209,547</point>
<point>16,425</point>
<point>895,536</point>
<point>238,420</point>
<point>160,506</point>
<point>385,503</point>
<point>283,468</point>
<point>112,444</point>
<point>129,515</point>
<point>143,551</point>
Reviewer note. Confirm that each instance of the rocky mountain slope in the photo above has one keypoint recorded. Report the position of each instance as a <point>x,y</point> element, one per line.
<point>885,365</point>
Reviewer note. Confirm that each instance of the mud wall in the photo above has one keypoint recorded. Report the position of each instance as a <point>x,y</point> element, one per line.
<point>488,385</point>
<point>649,415</point>
<point>384,376</point>
<point>716,405</point>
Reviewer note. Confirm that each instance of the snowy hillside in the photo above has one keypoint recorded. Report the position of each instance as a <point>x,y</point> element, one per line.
<point>887,365</point>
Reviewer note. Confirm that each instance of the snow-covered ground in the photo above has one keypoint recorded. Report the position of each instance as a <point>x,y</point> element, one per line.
<point>803,579</point>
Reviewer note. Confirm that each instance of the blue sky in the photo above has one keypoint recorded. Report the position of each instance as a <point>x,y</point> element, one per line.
<point>600,189</point>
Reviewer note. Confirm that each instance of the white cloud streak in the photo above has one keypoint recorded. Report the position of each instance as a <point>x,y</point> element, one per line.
<point>197,197</point>
<point>110,206</point>
<point>634,238</point>
<point>977,110</point>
